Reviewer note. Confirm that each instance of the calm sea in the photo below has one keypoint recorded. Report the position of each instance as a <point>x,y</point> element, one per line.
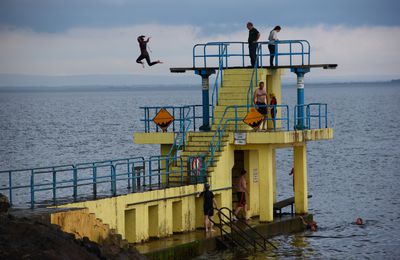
<point>357,174</point>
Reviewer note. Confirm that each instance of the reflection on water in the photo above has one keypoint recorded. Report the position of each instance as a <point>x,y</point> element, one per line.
<point>355,175</point>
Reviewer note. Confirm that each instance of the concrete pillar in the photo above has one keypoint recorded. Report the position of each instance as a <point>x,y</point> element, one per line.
<point>266,183</point>
<point>274,85</point>
<point>274,173</point>
<point>300,179</point>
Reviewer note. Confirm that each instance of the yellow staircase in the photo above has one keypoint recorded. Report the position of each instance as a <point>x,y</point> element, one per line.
<point>233,91</point>
<point>235,85</point>
<point>197,144</point>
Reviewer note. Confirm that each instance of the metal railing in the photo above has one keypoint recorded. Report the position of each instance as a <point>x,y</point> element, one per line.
<point>54,185</point>
<point>219,78</point>
<point>205,54</point>
<point>178,112</point>
<point>241,232</point>
<point>225,120</point>
<point>315,116</point>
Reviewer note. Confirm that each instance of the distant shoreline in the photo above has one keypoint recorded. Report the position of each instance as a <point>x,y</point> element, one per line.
<point>164,87</point>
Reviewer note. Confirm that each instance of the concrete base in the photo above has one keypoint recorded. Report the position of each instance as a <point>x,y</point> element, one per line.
<point>192,244</point>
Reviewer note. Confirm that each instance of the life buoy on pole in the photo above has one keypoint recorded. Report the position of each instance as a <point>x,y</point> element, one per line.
<point>196,166</point>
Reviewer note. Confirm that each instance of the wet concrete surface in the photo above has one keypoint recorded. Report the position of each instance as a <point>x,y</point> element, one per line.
<point>194,243</point>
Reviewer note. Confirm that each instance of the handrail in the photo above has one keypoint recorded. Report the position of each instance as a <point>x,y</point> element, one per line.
<point>304,52</point>
<point>215,91</point>
<point>250,91</point>
<point>222,125</point>
<point>176,111</point>
<point>307,118</point>
<point>237,229</point>
<point>248,226</point>
<point>44,183</point>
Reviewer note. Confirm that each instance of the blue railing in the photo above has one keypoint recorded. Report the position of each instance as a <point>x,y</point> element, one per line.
<point>225,121</point>
<point>219,77</point>
<point>253,81</point>
<point>205,55</point>
<point>178,112</point>
<point>54,185</point>
<point>316,116</point>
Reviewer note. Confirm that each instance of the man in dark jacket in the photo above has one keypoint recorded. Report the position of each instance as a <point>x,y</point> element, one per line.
<point>254,35</point>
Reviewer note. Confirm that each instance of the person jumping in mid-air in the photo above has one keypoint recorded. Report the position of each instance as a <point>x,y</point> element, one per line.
<point>143,51</point>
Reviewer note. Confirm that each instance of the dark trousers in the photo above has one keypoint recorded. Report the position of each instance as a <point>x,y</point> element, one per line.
<point>145,55</point>
<point>272,51</point>
<point>253,53</point>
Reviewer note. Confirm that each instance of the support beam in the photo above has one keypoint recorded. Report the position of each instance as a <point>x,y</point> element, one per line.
<point>274,173</point>
<point>300,96</point>
<point>266,183</point>
<point>205,83</point>
<point>300,179</point>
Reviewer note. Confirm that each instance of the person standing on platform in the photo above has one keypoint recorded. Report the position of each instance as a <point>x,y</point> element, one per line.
<point>254,35</point>
<point>260,100</point>
<point>208,207</point>
<point>241,195</point>
<point>143,52</point>
<point>273,104</point>
<point>273,36</point>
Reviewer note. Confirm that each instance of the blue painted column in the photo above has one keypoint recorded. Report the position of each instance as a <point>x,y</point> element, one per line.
<point>205,85</point>
<point>300,96</point>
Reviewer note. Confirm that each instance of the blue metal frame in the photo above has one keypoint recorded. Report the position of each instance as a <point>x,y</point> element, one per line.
<point>212,50</point>
<point>316,120</point>
<point>43,184</point>
<point>151,111</point>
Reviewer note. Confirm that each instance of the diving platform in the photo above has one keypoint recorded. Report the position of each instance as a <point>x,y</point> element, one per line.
<point>212,142</point>
<point>311,66</point>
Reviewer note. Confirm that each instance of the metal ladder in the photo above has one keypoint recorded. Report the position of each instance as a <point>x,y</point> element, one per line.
<point>240,234</point>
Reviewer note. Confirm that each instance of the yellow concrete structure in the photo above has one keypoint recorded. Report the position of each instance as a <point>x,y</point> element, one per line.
<point>140,216</point>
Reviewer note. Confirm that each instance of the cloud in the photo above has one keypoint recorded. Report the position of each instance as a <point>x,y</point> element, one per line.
<point>361,52</point>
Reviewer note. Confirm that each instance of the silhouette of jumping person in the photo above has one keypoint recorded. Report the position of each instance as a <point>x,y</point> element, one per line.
<point>143,52</point>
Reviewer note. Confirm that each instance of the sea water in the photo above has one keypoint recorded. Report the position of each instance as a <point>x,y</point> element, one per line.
<point>357,174</point>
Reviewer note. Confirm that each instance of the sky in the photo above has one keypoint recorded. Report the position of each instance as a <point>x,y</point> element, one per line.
<point>98,37</point>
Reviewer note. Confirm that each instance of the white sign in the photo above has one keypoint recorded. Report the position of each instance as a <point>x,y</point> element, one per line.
<point>255,175</point>
<point>240,138</point>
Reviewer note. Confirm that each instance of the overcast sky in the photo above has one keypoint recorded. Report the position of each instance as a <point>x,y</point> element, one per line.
<point>71,37</point>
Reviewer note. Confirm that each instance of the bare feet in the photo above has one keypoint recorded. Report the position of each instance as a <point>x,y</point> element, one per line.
<point>212,230</point>
<point>160,62</point>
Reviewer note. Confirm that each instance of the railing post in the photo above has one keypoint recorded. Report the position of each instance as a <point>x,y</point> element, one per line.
<point>236,119</point>
<point>128,169</point>
<point>113,181</point>
<point>326,116</point>
<point>10,188</point>
<point>276,55</point>
<point>75,183</point>
<point>242,54</point>
<point>32,189</point>
<point>148,120</point>
<point>150,174</point>
<point>54,187</point>
<point>94,177</point>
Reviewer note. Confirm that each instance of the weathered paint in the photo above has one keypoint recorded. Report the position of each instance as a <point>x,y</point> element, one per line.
<point>139,216</point>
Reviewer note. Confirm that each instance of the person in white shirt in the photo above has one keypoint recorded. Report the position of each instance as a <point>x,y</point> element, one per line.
<point>273,36</point>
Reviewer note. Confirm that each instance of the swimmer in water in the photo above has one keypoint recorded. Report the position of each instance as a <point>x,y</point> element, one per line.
<point>359,222</point>
<point>312,225</point>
